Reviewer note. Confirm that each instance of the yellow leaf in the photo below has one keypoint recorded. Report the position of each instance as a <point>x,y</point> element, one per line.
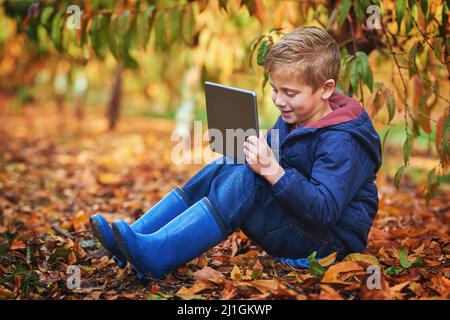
<point>325,262</point>
<point>196,288</point>
<point>367,258</point>
<point>109,178</point>
<point>235,273</point>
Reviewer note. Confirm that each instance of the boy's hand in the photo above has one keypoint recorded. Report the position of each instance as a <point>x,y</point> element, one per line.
<point>261,159</point>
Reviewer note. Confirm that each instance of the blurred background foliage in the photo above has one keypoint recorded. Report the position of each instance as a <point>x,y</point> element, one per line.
<point>150,59</point>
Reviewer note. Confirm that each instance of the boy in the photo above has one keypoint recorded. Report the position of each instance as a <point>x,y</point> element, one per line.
<point>320,195</point>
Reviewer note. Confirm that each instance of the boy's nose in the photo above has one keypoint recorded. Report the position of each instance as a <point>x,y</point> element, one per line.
<point>280,102</point>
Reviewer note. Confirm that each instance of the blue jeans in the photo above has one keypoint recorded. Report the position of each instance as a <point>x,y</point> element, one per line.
<point>246,201</point>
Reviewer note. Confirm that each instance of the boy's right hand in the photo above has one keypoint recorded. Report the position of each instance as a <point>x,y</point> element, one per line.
<point>261,160</point>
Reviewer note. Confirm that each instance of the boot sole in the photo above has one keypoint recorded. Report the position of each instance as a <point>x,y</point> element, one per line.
<point>96,231</point>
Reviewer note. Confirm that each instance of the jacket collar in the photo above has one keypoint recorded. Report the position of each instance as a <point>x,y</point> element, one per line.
<point>344,109</point>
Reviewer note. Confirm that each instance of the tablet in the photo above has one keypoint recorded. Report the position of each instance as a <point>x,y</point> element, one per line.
<point>232,116</point>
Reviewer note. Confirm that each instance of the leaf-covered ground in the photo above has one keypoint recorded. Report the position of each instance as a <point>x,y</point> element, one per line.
<point>55,173</point>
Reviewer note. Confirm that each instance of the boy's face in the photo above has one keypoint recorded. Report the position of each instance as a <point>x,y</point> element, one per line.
<point>296,101</point>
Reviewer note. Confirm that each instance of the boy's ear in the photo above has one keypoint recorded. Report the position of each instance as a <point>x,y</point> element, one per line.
<point>328,88</point>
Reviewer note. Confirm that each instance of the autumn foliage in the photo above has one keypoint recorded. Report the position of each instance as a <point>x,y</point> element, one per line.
<point>148,58</point>
<point>51,183</point>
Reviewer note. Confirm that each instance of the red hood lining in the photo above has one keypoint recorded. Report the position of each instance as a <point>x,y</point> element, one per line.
<point>344,109</point>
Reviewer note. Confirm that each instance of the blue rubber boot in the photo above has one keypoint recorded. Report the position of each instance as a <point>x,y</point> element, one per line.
<point>184,238</point>
<point>174,203</point>
<point>102,231</point>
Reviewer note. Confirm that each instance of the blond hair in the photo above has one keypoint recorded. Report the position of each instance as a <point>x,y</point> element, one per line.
<point>310,53</point>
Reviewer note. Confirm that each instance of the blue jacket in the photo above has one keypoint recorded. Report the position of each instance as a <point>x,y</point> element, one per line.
<point>330,168</point>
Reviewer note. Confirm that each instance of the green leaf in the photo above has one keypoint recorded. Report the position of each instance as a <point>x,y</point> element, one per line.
<point>437,47</point>
<point>355,73</point>
<point>160,31</point>
<point>359,10</point>
<point>390,103</point>
<point>188,30</point>
<point>112,38</point>
<point>424,6</point>
<point>407,148</point>
<point>404,262</point>
<point>393,271</point>
<point>61,252</point>
<point>46,14</point>
<point>123,36</point>
<point>145,23</point>
<point>412,66</point>
<point>383,144</point>
<point>418,262</point>
<point>414,12</point>
<point>400,7</point>
<point>331,19</point>
<point>56,31</point>
<point>253,45</point>
<point>266,79</point>
<point>315,268</point>
<point>98,35</point>
<point>398,175</point>
<point>408,22</point>
<point>131,37</point>
<point>445,141</point>
<point>432,184</point>
<point>263,50</point>
<point>174,27</point>
<point>365,70</point>
<point>129,61</point>
<point>343,11</point>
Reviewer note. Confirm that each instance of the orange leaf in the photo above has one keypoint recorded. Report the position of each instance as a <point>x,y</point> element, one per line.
<point>328,260</point>
<point>18,245</point>
<point>328,293</point>
<point>72,258</point>
<point>333,273</point>
<point>273,287</point>
<point>242,258</point>
<point>419,90</point>
<point>196,288</point>
<point>260,11</point>
<point>441,285</point>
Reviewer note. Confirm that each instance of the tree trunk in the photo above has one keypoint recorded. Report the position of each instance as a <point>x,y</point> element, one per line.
<point>114,104</point>
<point>79,108</point>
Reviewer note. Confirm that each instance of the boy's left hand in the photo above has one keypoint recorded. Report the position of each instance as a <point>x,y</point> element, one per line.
<point>261,159</point>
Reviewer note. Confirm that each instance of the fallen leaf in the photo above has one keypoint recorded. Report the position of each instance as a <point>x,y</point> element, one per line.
<point>325,262</point>
<point>236,273</point>
<point>271,286</point>
<point>328,293</point>
<point>243,258</point>
<point>366,258</point>
<point>109,178</point>
<point>196,288</point>
<point>18,245</point>
<point>207,273</point>
<point>94,295</point>
<point>5,293</point>
<point>332,274</point>
<point>441,285</point>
